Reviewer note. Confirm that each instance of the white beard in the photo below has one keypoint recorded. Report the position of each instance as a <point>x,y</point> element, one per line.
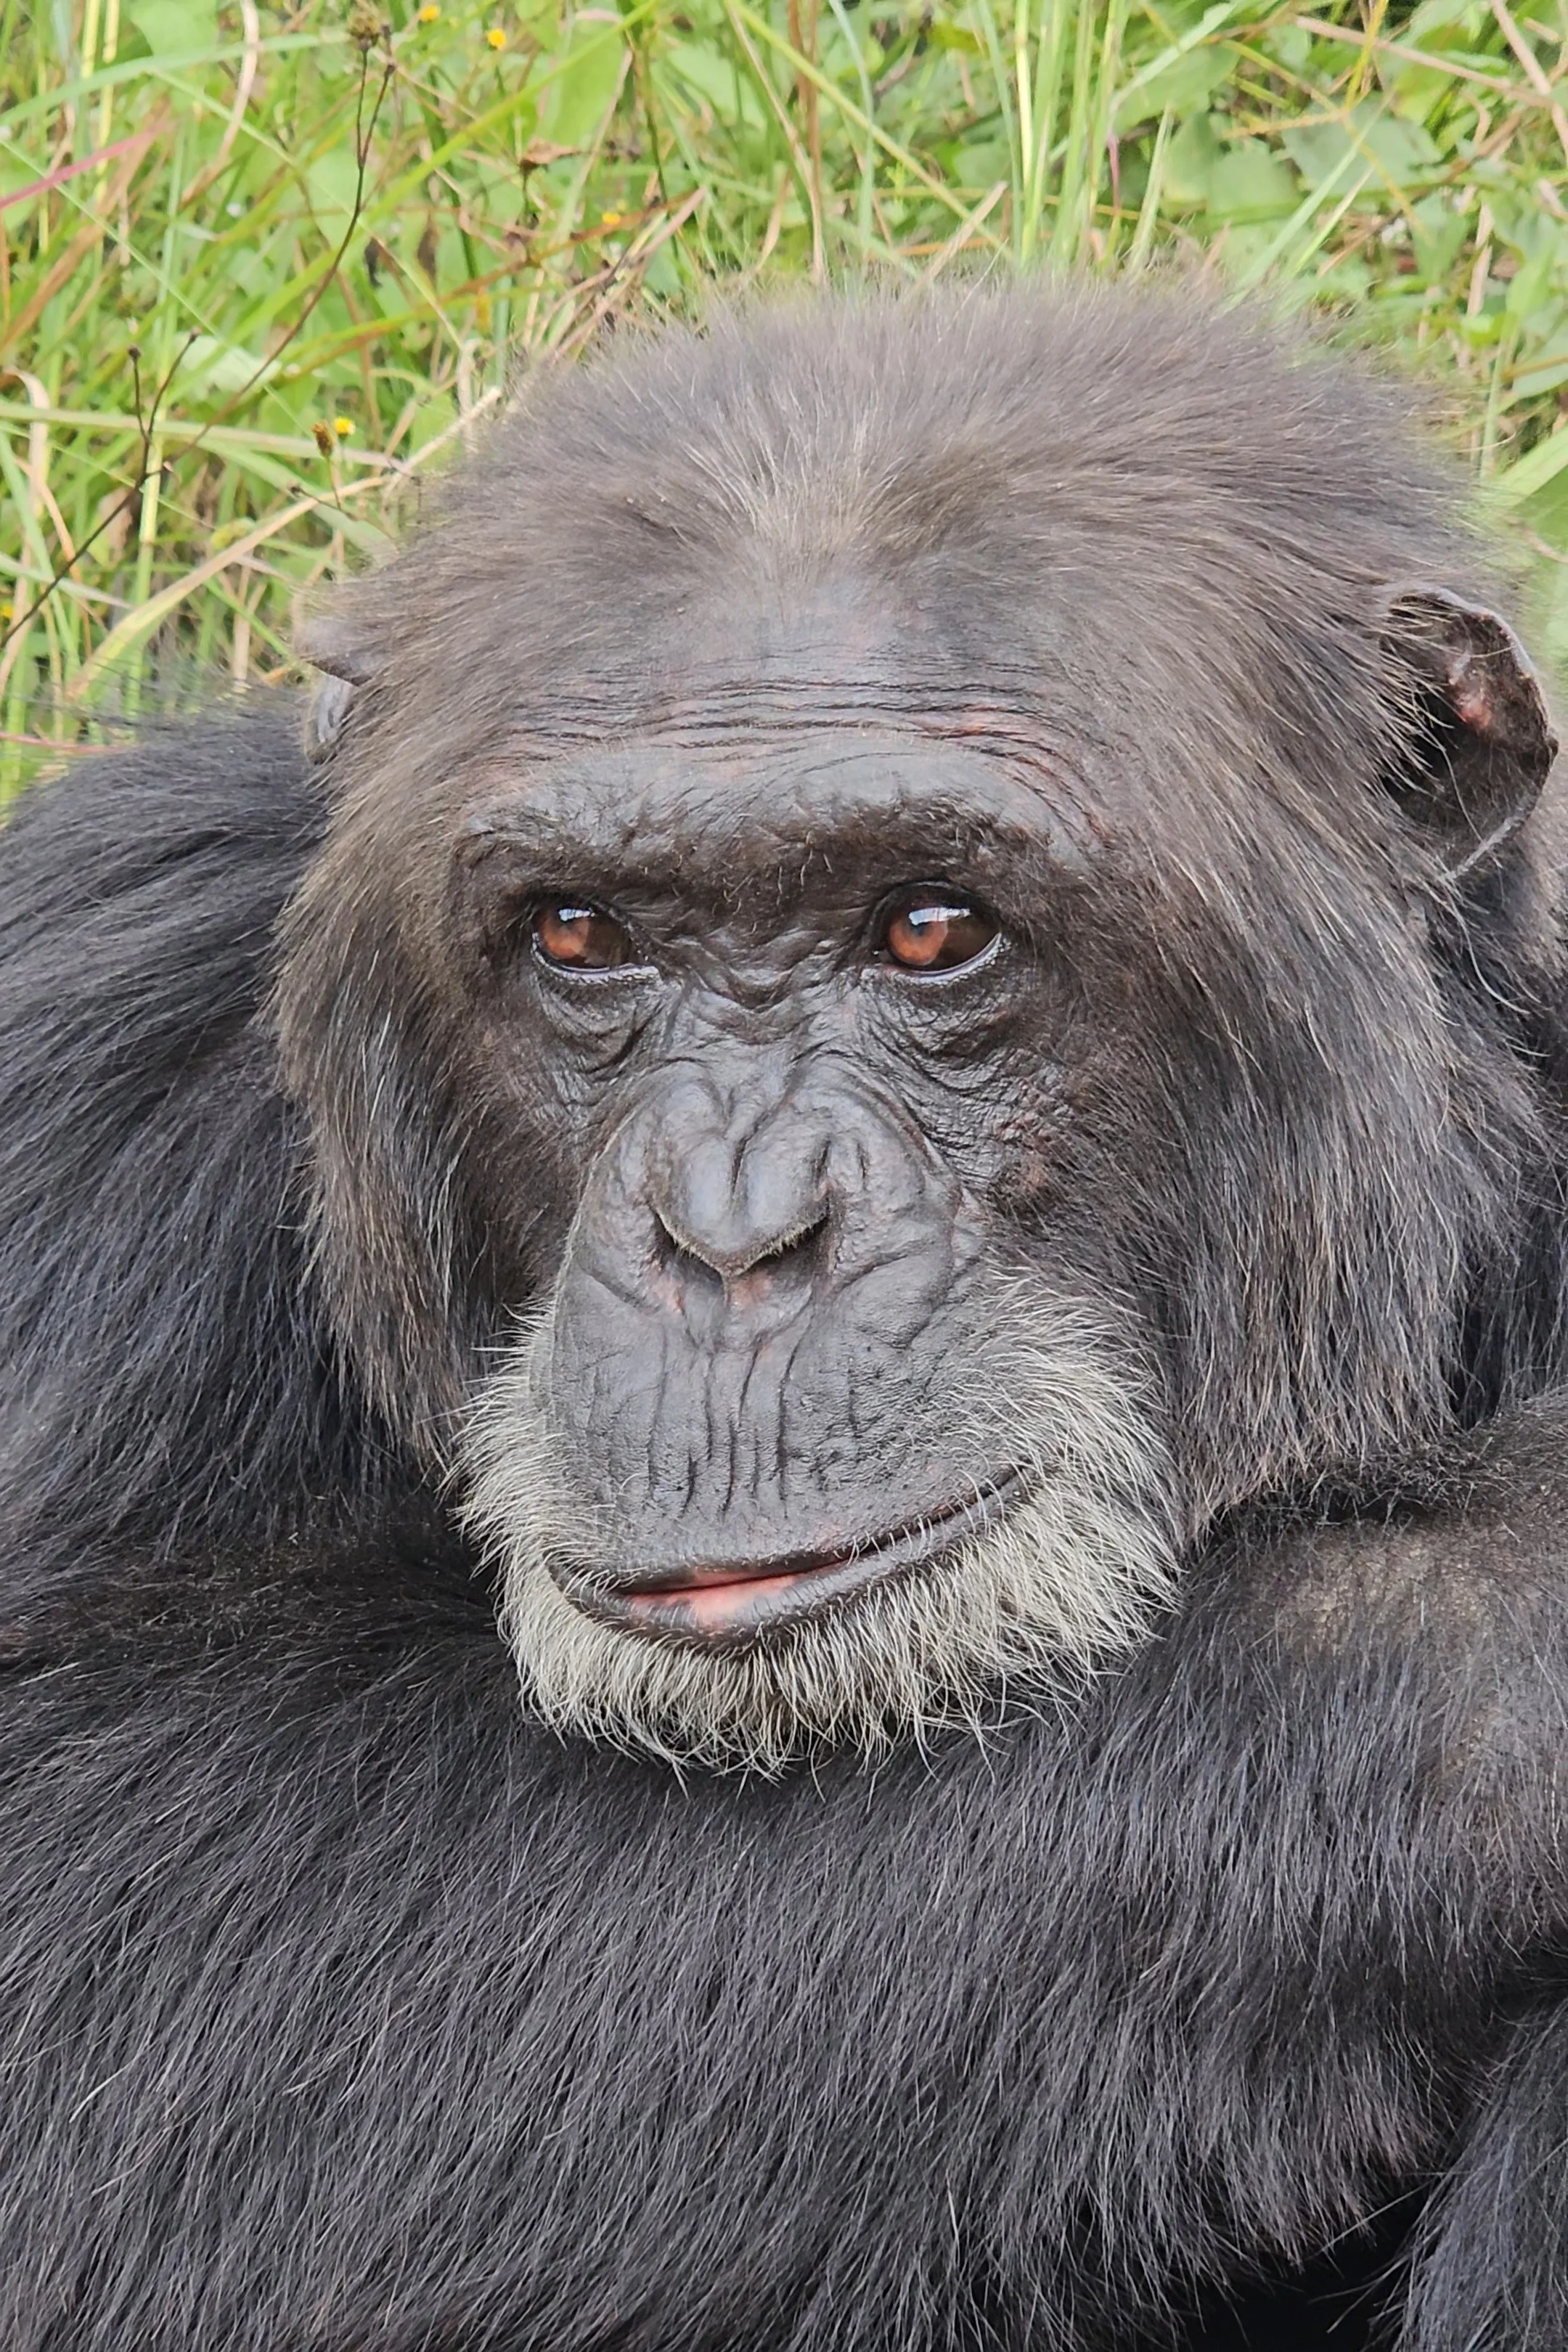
<point>1070,1579</point>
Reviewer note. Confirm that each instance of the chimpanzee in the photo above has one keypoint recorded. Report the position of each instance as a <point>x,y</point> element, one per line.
<point>786,1532</point>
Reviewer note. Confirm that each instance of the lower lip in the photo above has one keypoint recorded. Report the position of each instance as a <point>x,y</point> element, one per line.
<point>721,1606</point>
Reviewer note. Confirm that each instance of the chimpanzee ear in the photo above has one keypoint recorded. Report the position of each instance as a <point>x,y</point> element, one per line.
<point>1482,745</point>
<point>347,659</point>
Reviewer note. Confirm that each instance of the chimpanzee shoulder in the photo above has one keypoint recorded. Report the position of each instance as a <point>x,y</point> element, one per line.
<point>167,1377</point>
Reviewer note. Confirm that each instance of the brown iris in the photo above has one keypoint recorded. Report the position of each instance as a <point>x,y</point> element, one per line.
<point>579,938</point>
<point>932,929</point>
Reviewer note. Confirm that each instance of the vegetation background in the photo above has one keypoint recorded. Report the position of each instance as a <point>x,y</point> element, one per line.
<point>262,268</point>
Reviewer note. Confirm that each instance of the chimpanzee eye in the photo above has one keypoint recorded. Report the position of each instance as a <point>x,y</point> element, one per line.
<point>932,929</point>
<point>580,939</point>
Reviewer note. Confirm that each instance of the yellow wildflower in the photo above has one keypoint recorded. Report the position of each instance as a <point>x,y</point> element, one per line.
<point>430,13</point>
<point>496,37</point>
<point>342,426</point>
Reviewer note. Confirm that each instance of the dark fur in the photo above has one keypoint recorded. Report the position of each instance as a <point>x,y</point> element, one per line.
<point>342,2010</point>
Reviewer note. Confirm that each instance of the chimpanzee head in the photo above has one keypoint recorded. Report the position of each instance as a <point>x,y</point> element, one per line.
<point>889,1020</point>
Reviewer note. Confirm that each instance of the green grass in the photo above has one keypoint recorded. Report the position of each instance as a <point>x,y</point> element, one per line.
<point>262,268</point>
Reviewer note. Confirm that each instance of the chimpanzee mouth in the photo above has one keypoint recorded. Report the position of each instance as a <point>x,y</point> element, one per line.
<point>735,1604</point>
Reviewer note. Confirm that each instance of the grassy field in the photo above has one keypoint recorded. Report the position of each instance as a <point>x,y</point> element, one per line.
<point>263,267</point>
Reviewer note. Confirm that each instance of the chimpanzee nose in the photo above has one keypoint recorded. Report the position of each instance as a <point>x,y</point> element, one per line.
<point>741,1195</point>
<point>732,1254</point>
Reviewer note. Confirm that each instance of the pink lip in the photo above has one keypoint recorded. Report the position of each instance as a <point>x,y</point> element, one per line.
<point>716,1605</point>
<point>737,1602</point>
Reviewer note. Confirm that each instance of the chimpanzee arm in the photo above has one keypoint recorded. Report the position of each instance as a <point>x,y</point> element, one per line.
<point>1464,1968</point>
<point>1490,2273</point>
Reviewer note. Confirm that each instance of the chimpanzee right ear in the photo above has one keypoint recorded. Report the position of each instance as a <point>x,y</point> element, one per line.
<point>1481,746</point>
<point>347,659</point>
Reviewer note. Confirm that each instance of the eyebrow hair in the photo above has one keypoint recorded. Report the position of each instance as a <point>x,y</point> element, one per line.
<point>1020,879</point>
<point>791,798</point>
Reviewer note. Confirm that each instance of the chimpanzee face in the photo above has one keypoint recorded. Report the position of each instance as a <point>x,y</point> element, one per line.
<point>800,1409</point>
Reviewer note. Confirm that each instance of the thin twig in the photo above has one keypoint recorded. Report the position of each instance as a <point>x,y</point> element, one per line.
<point>966,228</point>
<point>1533,69</point>
<point>63,172</point>
<point>364,132</point>
<point>250,65</point>
<point>805,76</point>
<point>1321,31</point>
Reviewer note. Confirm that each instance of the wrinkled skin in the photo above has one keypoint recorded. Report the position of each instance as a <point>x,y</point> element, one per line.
<point>794,1158</point>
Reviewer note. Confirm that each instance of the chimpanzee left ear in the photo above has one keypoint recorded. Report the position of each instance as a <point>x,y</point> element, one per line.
<point>347,661</point>
<point>1482,746</point>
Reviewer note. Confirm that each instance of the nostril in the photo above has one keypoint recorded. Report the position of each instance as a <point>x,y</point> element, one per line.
<point>676,1256</point>
<point>729,1259</point>
<point>802,1243</point>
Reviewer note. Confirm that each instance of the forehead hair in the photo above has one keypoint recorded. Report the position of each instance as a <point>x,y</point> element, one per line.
<point>1157,533</point>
